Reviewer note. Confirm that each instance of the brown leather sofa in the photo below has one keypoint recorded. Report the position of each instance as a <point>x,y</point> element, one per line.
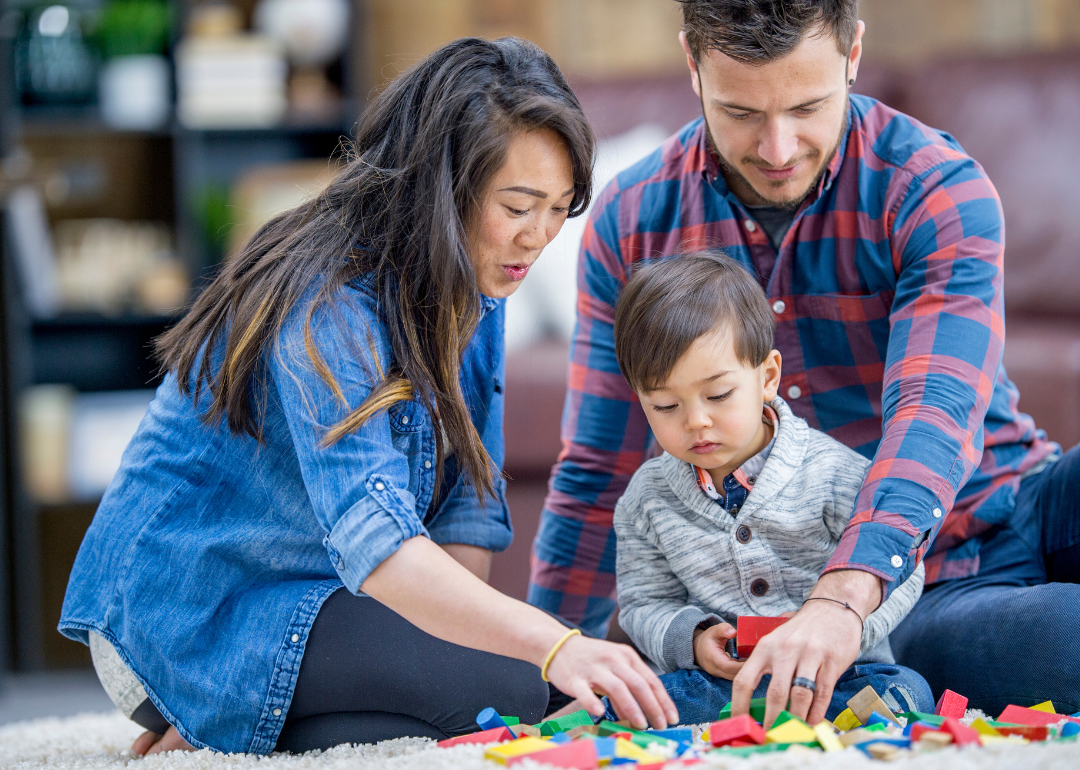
<point>1018,116</point>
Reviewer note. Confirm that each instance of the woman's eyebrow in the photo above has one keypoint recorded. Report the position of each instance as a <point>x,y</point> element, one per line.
<point>534,193</point>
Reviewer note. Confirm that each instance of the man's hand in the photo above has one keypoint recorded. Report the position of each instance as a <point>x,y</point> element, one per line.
<point>709,651</point>
<point>819,643</point>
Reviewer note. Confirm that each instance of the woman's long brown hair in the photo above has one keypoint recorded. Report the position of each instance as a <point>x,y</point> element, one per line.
<point>398,213</point>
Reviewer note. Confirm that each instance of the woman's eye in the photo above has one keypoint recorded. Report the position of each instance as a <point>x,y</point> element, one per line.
<point>517,212</point>
<point>722,396</point>
<point>560,210</point>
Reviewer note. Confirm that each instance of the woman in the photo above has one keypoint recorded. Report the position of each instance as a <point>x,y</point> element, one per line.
<point>332,416</point>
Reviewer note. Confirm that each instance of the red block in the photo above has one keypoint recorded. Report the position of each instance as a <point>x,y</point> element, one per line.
<point>1018,715</point>
<point>741,728</point>
<point>495,735</point>
<point>1031,732</point>
<point>577,755</point>
<point>749,630</point>
<point>742,744</point>
<point>918,730</point>
<point>962,735</point>
<point>951,704</point>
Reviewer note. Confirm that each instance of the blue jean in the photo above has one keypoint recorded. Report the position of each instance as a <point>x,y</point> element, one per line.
<point>700,696</point>
<point>1009,633</point>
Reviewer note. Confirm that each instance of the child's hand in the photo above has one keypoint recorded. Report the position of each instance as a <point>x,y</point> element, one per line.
<point>709,651</point>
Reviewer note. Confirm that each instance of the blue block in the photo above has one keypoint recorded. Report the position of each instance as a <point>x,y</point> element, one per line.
<point>1070,729</point>
<point>900,743</point>
<point>676,734</point>
<point>623,761</point>
<point>1077,715</point>
<point>907,730</point>
<point>605,748</point>
<point>559,739</point>
<point>877,719</point>
<point>489,719</point>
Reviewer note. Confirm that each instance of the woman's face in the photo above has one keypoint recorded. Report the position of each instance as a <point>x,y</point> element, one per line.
<point>522,211</point>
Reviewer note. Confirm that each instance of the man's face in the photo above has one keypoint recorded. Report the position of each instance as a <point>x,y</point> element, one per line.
<point>775,126</point>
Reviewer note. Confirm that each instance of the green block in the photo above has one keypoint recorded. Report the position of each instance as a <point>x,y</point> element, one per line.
<point>510,721</point>
<point>995,723</point>
<point>645,740</point>
<point>748,751</point>
<point>549,728</point>
<point>757,710</point>
<point>786,716</point>
<point>577,719</point>
<point>915,716</point>
<point>606,728</point>
<point>878,728</point>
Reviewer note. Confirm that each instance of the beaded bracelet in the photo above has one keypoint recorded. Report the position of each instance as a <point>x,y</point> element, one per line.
<point>555,649</point>
<point>837,601</point>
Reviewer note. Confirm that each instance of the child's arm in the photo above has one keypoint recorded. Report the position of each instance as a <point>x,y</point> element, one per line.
<point>880,623</point>
<point>654,607</point>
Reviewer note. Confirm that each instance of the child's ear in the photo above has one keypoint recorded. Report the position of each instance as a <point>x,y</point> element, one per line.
<point>771,369</point>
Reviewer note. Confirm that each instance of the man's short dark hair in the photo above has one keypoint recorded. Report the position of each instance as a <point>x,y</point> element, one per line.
<point>669,303</point>
<point>759,31</point>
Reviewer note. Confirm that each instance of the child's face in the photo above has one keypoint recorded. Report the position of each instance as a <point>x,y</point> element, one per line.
<point>709,411</point>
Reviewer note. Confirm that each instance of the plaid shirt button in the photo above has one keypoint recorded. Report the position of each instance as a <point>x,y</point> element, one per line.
<point>794,391</point>
<point>750,226</point>
<point>779,306</point>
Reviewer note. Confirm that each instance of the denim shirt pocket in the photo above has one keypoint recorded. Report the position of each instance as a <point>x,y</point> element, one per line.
<point>413,436</point>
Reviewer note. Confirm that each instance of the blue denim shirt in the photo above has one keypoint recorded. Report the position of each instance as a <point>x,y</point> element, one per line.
<point>210,554</point>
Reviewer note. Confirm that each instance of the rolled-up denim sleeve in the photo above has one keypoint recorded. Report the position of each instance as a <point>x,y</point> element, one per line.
<point>359,485</point>
<point>462,519</point>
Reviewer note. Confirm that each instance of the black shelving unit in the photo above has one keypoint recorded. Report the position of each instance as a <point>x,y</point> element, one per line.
<point>93,352</point>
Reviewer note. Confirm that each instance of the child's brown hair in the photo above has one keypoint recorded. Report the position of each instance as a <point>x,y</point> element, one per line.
<point>669,303</point>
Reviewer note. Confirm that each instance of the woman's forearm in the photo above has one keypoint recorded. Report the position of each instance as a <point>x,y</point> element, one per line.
<point>426,586</point>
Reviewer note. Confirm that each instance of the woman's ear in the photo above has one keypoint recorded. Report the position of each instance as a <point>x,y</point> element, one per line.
<point>770,367</point>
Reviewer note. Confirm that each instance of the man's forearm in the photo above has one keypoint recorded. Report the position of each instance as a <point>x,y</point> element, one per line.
<point>862,590</point>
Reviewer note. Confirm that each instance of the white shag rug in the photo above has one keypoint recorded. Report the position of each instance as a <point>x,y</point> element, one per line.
<point>100,742</point>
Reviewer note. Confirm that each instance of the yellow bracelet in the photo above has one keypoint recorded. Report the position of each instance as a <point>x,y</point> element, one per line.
<point>555,649</point>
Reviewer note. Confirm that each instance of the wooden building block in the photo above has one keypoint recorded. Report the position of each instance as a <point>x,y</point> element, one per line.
<point>855,737</point>
<point>1046,706</point>
<point>827,737</point>
<point>951,704</point>
<point>519,730</point>
<point>984,729</point>
<point>866,702</point>
<point>526,745</point>
<point>625,749</point>
<point>918,716</point>
<point>934,740</point>
<point>750,629</point>
<point>489,719</point>
<point>1022,716</point>
<point>577,732</point>
<point>757,710</point>
<point>846,720</point>
<point>918,729</point>
<point>575,755</point>
<point>576,719</point>
<point>792,731</point>
<point>496,735</point>
<point>884,751</point>
<point>1030,732</point>
<point>962,734</point>
<point>742,728</point>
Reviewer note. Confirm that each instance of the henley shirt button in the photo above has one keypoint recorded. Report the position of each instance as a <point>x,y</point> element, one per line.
<point>750,226</point>
<point>277,712</point>
<point>779,306</point>
<point>751,480</point>
<point>295,637</point>
<point>744,535</point>
<point>759,587</point>
<point>380,486</point>
<point>427,464</point>
<point>404,420</point>
<point>897,562</point>
<point>937,513</point>
<point>794,391</point>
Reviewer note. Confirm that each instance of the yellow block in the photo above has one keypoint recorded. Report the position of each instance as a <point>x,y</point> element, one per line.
<point>624,749</point>
<point>826,737</point>
<point>846,720</point>
<point>526,745</point>
<point>704,735</point>
<point>1046,706</point>
<point>792,731</point>
<point>984,729</point>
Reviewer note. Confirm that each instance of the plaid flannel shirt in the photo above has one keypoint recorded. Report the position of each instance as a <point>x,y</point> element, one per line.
<point>887,291</point>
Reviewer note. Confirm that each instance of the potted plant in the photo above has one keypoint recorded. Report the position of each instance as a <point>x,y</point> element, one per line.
<point>135,85</point>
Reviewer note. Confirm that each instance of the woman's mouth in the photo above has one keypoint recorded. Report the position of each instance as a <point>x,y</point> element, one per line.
<point>515,272</point>
<point>704,449</point>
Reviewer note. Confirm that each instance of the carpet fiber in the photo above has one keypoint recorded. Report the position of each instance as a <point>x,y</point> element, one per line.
<point>100,742</point>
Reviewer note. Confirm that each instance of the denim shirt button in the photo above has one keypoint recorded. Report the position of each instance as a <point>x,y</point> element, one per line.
<point>427,464</point>
<point>295,637</point>
<point>277,712</point>
<point>404,420</point>
<point>380,486</point>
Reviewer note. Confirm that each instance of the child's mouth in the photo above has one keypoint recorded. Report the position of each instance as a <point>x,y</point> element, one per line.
<point>704,449</point>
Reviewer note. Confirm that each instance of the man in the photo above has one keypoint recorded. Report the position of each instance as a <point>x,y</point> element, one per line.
<point>880,245</point>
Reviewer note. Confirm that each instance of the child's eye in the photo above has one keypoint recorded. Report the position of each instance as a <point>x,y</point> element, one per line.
<point>722,396</point>
<point>662,409</point>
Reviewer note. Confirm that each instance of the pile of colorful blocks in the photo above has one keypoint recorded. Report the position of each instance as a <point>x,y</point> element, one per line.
<point>867,725</point>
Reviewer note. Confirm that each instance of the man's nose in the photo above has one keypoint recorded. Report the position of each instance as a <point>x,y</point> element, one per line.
<point>779,144</point>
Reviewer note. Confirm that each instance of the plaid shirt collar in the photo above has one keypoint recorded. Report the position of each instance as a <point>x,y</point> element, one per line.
<point>747,473</point>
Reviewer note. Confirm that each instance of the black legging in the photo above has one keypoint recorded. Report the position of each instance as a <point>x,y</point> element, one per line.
<point>369,675</point>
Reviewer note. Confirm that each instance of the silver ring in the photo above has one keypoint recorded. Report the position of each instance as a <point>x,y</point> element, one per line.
<point>802,681</point>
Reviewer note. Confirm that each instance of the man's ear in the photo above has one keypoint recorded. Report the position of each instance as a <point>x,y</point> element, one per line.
<point>856,51</point>
<point>695,78</point>
<point>771,368</point>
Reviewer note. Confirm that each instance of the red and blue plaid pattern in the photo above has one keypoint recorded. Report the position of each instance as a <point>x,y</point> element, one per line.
<point>888,298</point>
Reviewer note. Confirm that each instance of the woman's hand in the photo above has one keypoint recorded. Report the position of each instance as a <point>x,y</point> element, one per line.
<point>583,667</point>
<point>710,653</point>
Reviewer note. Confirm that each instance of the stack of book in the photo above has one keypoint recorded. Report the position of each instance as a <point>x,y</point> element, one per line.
<point>231,81</point>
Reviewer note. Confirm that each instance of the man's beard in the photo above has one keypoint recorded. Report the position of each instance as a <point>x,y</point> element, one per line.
<point>787,204</point>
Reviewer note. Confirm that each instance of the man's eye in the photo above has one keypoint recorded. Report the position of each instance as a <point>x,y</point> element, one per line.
<point>738,115</point>
<point>666,408</point>
<point>807,111</point>
<point>722,396</point>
